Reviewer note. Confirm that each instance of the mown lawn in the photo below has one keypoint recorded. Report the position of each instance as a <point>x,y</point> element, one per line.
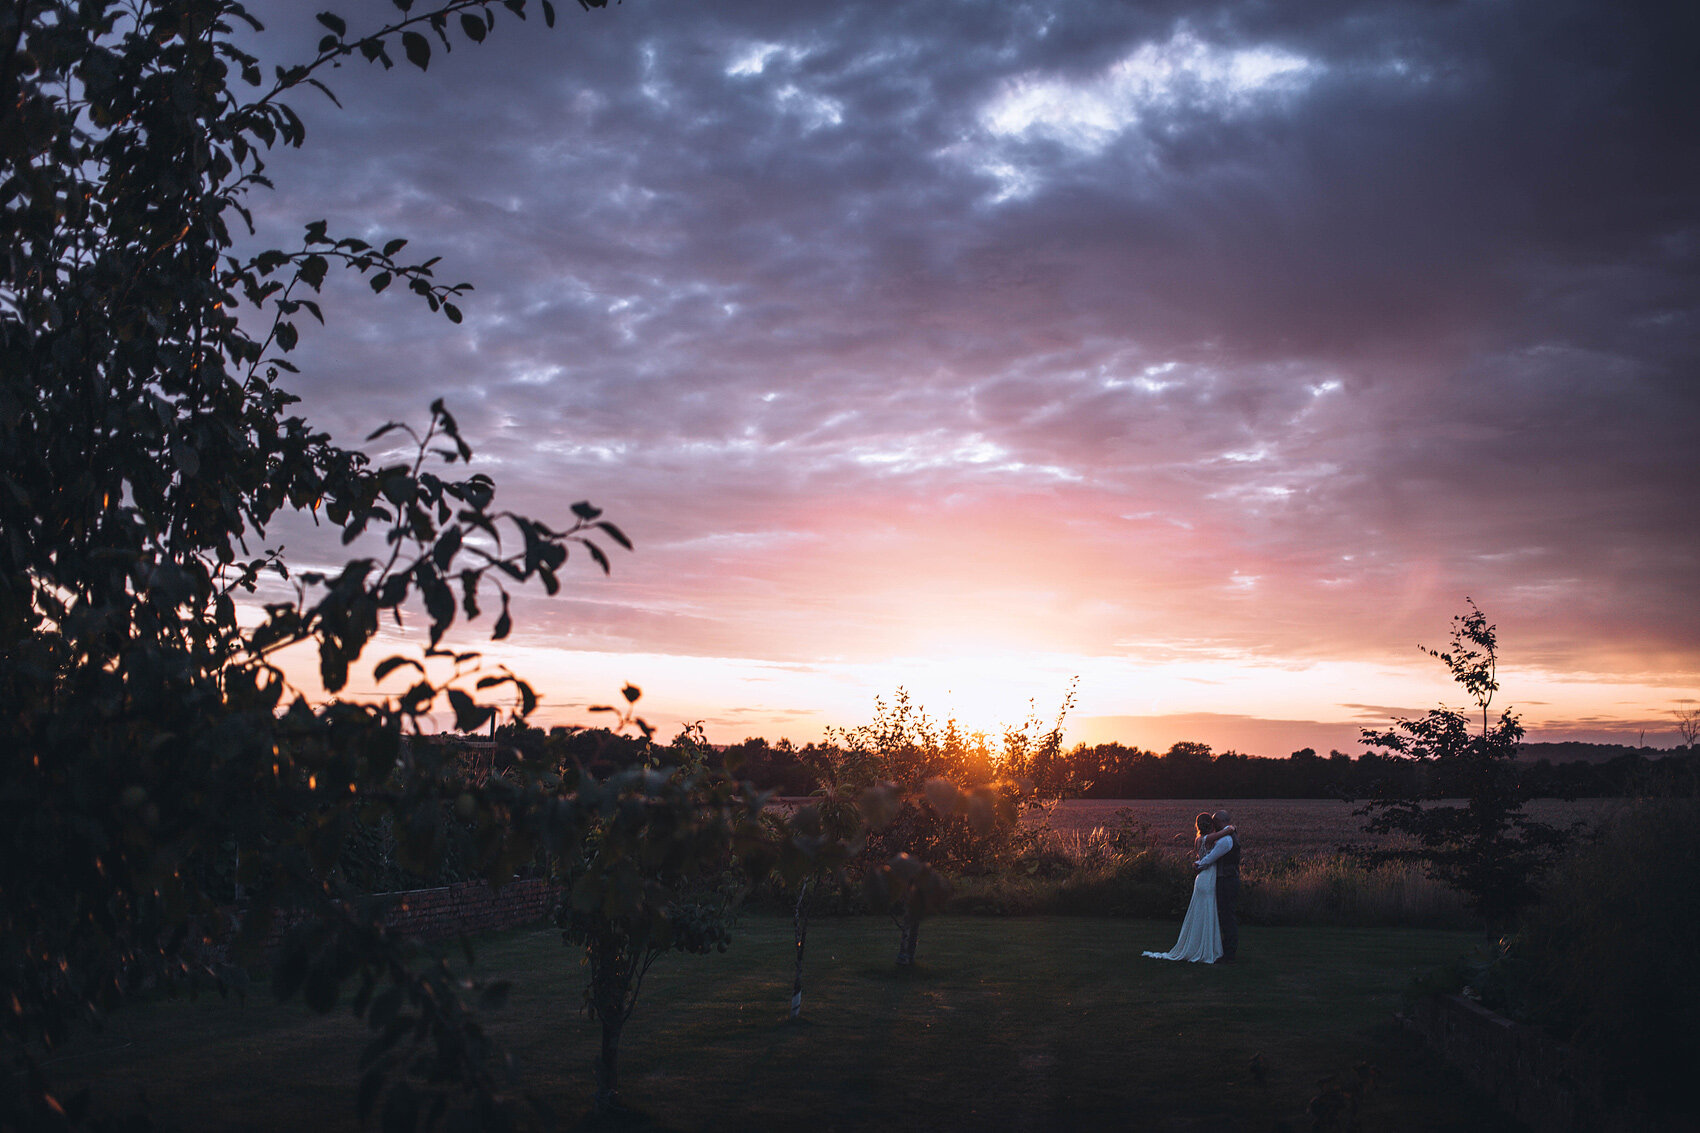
<point>1034,1023</point>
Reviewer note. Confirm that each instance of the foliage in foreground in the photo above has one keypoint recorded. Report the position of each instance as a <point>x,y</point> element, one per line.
<point>156,758</point>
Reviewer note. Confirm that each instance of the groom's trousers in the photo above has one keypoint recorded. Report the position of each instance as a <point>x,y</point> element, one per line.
<point>1227,906</point>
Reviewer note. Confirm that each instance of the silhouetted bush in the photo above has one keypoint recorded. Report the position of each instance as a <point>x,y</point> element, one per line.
<point>1608,958</point>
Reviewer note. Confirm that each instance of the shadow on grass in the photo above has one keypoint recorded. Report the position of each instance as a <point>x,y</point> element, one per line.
<point>903,977</point>
<point>1032,1024</point>
<point>621,1119</point>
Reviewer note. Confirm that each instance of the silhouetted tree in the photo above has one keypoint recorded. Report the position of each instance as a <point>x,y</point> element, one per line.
<point>1485,847</point>
<point>1688,725</point>
<point>154,755</point>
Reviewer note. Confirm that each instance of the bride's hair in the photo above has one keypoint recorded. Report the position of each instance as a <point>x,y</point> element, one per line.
<point>1206,822</point>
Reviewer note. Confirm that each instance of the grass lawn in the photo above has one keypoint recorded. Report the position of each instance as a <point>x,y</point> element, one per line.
<point>1017,1023</point>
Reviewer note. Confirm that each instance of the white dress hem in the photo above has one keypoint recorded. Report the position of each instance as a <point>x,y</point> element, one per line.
<point>1200,941</point>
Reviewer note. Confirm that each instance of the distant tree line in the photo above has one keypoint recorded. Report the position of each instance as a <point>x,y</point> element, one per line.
<point>1186,770</point>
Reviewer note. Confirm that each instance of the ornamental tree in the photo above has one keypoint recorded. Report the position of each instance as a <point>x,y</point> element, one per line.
<point>657,873</point>
<point>934,801</point>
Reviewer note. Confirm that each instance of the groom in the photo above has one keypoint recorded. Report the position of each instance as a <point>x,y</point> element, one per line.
<point>1225,855</point>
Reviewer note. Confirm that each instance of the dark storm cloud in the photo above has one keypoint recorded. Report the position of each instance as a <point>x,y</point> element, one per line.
<point>1351,305</point>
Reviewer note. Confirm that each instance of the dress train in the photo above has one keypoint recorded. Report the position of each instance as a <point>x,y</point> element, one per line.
<point>1201,933</point>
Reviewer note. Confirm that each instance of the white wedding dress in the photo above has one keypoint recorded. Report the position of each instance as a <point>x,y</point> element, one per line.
<point>1201,932</point>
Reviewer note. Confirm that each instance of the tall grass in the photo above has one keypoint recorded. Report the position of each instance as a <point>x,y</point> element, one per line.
<point>1125,872</point>
<point>1339,890</point>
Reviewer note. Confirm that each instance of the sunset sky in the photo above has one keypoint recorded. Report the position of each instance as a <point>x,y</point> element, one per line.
<point>1212,353</point>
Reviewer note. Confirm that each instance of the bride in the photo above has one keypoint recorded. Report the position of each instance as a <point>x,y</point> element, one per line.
<point>1201,932</point>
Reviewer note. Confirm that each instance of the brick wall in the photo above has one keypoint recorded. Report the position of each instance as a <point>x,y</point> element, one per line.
<point>470,907</point>
<point>434,914</point>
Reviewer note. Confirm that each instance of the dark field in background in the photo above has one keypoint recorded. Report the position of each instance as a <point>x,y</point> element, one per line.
<point>1276,829</point>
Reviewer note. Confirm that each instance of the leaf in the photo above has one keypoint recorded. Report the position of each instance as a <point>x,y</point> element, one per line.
<point>286,336</point>
<point>473,27</point>
<point>381,430</point>
<point>419,697</point>
<point>333,666</point>
<point>400,488</point>
<point>380,281</point>
<point>596,554</point>
<point>452,311</point>
<point>312,271</point>
<point>390,664</point>
<point>448,546</point>
<point>395,246</point>
<point>470,716</point>
<point>504,624</point>
<point>631,693</point>
<point>417,48</point>
<point>334,22</point>
<point>585,511</point>
<point>615,534</point>
<point>393,591</point>
<point>548,14</point>
<point>439,603</point>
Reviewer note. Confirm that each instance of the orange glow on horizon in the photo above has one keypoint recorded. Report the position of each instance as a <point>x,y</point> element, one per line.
<point>1254,705</point>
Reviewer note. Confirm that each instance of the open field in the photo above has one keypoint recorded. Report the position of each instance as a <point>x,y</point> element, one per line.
<point>1041,1023</point>
<point>1277,829</point>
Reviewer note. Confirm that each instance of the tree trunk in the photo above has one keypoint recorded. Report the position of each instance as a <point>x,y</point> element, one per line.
<point>608,1067</point>
<point>800,922</point>
<point>911,929</point>
<point>610,987</point>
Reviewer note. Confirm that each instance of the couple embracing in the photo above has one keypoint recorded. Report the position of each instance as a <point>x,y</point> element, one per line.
<point>1210,934</point>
